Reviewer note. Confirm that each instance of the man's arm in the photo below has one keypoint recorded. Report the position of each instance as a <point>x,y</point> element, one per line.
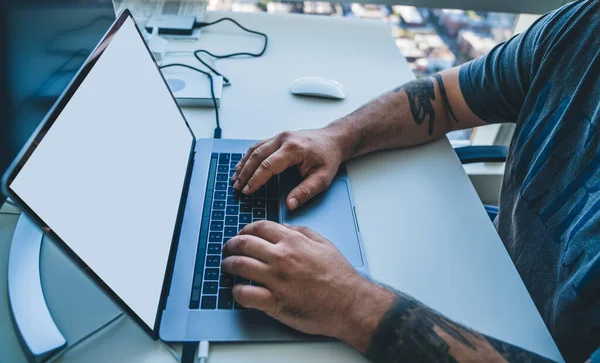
<point>415,113</point>
<point>306,283</point>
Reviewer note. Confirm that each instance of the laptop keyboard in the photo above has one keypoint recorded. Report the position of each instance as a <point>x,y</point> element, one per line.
<point>225,213</point>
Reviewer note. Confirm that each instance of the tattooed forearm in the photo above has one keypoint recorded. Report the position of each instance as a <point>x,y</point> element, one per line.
<point>440,82</point>
<point>411,332</point>
<point>421,94</point>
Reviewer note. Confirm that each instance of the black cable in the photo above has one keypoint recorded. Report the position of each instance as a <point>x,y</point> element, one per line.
<point>217,134</point>
<point>231,55</point>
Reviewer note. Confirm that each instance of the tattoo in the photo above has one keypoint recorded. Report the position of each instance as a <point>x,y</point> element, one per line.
<point>420,94</point>
<point>440,82</point>
<point>411,332</point>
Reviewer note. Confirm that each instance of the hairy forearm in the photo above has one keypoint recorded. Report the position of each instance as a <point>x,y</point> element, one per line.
<point>415,113</point>
<point>412,332</point>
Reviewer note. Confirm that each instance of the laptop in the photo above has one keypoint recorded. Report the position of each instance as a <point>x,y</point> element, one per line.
<point>115,175</point>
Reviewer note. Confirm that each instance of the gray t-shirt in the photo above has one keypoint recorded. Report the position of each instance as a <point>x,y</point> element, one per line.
<point>547,81</point>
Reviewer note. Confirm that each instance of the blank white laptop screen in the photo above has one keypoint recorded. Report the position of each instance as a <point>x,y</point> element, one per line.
<point>108,175</point>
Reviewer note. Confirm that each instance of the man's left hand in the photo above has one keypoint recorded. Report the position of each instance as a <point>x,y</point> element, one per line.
<point>308,284</point>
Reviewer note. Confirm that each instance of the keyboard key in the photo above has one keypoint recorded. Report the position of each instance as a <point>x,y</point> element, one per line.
<point>226,280</point>
<point>241,226</point>
<point>210,288</point>
<point>222,169</point>
<point>236,157</point>
<point>273,210</point>
<point>216,226</point>
<point>213,261</point>
<point>223,159</point>
<point>230,231</point>
<point>215,237</point>
<point>208,302</point>
<point>225,299</point>
<point>218,215</point>
<point>246,208</point>
<point>246,198</point>
<point>273,187</point>
<point>260,194</point>
<point>233,164</point>
<point>237,306</point>
<point>241,280</point>
<point>232,210</point>
<point>214,249</point>
<point>245,218</point>
<point>220,195</point>
<point>231,221</point>
<point>258,213</point>
<point>258,203</point>
<point>231,172</point>
<point>221,186</point>
<point>211,274</point>
<point>222,177</point>
<point>233,200</point>
<point>231,191</point>
<point>218,205</point>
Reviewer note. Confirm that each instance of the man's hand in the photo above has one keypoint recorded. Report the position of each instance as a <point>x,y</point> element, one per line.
<point>308,284</point>
<point>317,153</point>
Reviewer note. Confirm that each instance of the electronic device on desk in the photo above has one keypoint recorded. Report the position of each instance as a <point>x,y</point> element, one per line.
<point>318,87</point>
<point>192,89</point>
<point>141,151</point>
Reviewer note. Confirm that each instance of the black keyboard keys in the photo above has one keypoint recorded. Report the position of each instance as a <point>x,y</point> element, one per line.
<point>218,215</point>
<point>231,221</point>
<point>221,186</point>
<point>224,159</point>
<point>221,177</point>
<point>210,288</point>
<point>233,200</point>
<point>225,299</point>
<point>232,210</point>
<point>215,237</point>
<point>213,261</point>
<point>258,203</point>
<point>258,213</point>
<point>230,231</point>
<point>208,302</point>
<point>236,157</point>
<point>246,208</point>
<point>211,274</point>
<point>218,205</point>
<point>214,249</point>
<point>220,195</point>
<point>226,280</point>
<point>246,218</point>
<point>216,226</point>
<point>222,169</point>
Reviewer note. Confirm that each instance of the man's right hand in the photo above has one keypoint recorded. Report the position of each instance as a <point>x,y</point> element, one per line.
<point>317,153</point>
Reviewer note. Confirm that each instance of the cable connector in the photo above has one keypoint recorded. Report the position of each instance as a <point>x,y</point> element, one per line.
<point>203,348</point>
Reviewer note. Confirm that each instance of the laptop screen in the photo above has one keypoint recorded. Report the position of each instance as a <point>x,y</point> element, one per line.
<point>107,177</point>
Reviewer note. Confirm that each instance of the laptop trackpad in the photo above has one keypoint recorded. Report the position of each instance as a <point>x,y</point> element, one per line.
<point>331,214</point>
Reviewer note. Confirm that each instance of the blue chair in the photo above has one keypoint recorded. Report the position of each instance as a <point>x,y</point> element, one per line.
<point>483,154</point>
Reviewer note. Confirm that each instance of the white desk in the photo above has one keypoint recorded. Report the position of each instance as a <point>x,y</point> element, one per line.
<point>424,228</point>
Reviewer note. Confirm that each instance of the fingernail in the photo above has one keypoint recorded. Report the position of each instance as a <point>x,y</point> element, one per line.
<point>234,177</point>
<point>246,190</point>
<point>236,185</point>
<point>293,203</point>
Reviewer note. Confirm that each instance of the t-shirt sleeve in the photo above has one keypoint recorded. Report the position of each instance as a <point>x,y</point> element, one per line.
<point>496,84</point>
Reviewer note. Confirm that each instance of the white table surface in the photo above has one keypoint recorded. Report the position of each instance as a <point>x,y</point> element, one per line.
<point>424,228</point>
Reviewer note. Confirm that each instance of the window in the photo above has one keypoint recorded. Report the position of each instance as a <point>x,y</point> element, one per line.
<point>431,39</point>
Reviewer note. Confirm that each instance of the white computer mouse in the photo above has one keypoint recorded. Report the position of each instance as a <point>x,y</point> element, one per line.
<point>318,87</point>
